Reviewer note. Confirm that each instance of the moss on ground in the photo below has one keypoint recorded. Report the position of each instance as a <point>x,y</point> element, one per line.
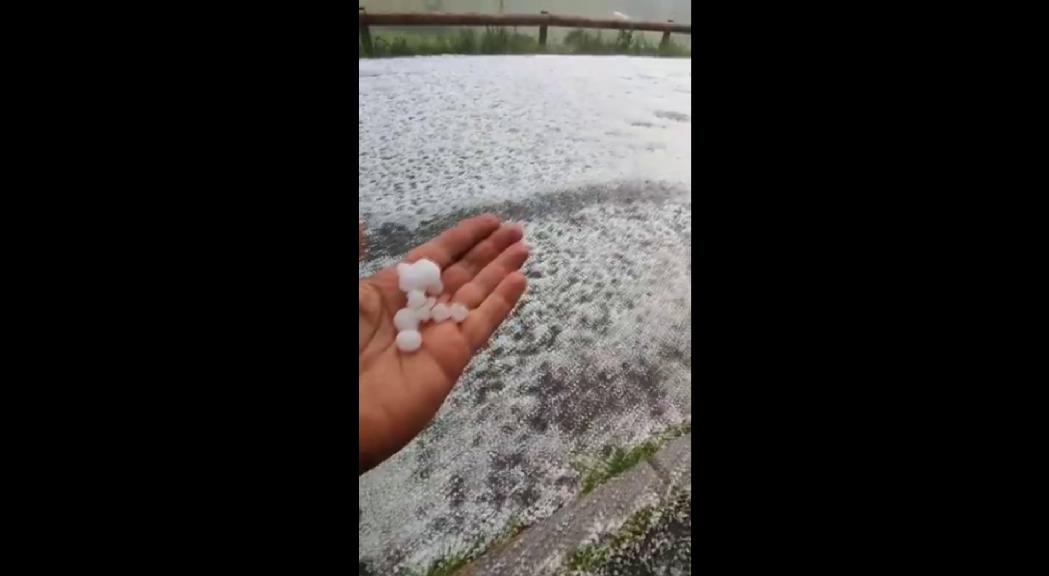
<point>621,460</point>
<point>454,560</point>
<point>594,556</point>
<point>449,564</point>
<point>646,540</point>
<point>595,474</point>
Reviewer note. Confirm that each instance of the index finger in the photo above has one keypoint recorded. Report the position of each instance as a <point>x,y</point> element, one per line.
<point>447,248</point>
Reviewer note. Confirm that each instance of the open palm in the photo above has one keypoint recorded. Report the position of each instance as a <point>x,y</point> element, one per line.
<point>400,393</point>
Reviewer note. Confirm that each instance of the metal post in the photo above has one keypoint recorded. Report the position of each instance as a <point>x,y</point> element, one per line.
<point>542,32</point>
<point>665,43</point>
<point>366,36</point>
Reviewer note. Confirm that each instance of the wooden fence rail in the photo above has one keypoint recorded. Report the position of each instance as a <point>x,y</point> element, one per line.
<point>365,20</point>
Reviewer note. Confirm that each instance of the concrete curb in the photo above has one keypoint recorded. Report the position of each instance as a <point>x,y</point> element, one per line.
<point>543,548</point>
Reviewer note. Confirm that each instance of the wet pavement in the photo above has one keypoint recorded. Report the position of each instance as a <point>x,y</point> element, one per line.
<point>593,156</point>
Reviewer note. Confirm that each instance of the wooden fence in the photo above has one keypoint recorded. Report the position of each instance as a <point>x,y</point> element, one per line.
<point>543,20</point>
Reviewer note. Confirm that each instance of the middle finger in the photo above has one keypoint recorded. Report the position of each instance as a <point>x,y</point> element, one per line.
<point>463,271</point>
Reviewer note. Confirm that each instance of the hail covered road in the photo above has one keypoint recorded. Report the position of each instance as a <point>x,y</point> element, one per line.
<point>593,156</point>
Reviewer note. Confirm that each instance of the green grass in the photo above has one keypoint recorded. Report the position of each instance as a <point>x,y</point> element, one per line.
<point>594,474</point>
<point>454,560</point>
<point>513,528</point>
<point>619,462</point>
<point>594,556</point>
<point>623,42</point>
<point>468,41</point>
<point>449,564</point>
<point>499,40</point>
<point>621,459</point>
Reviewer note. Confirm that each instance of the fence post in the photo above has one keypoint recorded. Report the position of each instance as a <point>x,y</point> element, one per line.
<point>665,43</point>
<point>366,36</point>
<point>542,32</point>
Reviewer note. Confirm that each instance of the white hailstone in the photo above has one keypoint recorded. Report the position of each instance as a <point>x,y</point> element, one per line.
<point>428,270</point>
<point>412,279</point>
<point>459,312</point>
<point>441,312</point>
<point>424,314</point>
<point>403,267</point>
<point>409,340</point>
<point>430,303</point>
<point>435,289</point>
<point>406,319</point>
<point>416,299</point>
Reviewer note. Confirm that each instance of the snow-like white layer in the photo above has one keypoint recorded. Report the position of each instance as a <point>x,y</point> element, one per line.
<point>440,134</point>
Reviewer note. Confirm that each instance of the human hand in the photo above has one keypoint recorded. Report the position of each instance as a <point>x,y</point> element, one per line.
<point>399,393</point>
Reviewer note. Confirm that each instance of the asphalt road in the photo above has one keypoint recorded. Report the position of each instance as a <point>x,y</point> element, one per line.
<point>593,156</point>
